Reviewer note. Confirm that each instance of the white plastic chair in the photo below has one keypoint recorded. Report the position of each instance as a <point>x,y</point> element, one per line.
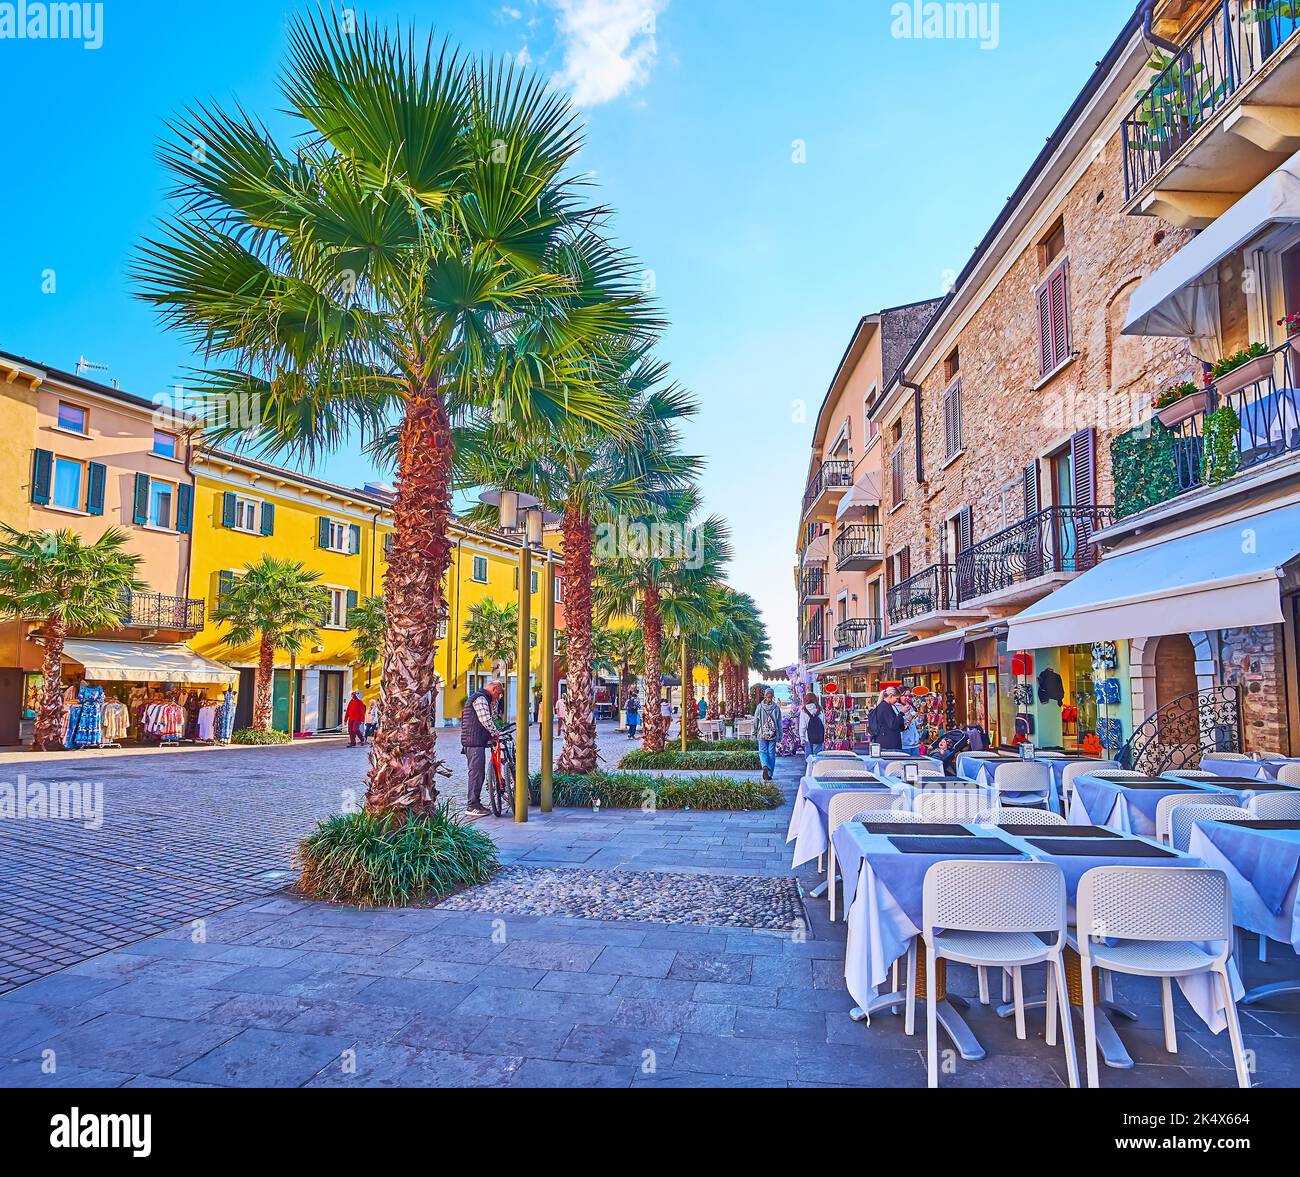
<point>1233,756</point>
<point>1007,815</point>
<point>1030,783</point>
<point>994,915</point>
<point>1166,806</point>
<point>839,755</point>
<point>952,805</point>
<point>1161,917</point>
<point>894,817</point>
<point>1185,817</point>
<point>1188,774</point>
<point>1289,774</point>
<point>1115,774</point>
<point>841,769</point>
<point>898,769</point>
<point>844,807</point>
<point>1068,775</point>
<point>1276,807</point>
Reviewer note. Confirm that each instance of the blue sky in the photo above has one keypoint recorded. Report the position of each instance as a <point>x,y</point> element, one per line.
<point>695,112</point>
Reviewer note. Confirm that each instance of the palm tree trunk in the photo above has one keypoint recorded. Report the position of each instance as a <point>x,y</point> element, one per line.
<point>652,639</point>
<point>714,683</point>
<point>262,688</point>
<point>690,711</point>
<point>579,754</point>
<point>404,765</point>
<point>48,736</point>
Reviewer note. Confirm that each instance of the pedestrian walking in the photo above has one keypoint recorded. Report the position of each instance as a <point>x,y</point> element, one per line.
<point>767,726</point>
<point>812,726</point>
<point>356,720</point>
<point>632,709</point>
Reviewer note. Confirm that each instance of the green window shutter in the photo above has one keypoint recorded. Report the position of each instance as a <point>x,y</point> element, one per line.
<point>354,539</point>
<point>388,543</point>
<point>323,533</point>
<point>42,476</point>
<point>141,512</point>
<point>184,509</point>
<point>225,582</point>
<point>228,509</point>
<point>96,477</point>
<point>354,599</point>
<point>268,518</point>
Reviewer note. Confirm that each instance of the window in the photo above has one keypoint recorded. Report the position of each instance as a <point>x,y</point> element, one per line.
<point>1054,304</point>
<point>480,570</point>
<point>161,495</point>
<point>952,365</point>
<point>896,477</point>
<point>952,419</point>
<point>535,583</point>
<point>67,484</point>
<point>248,515</point>
<point>338,536</point>
<point>164,444</point>
<point>338,614</point>
<point>72,418</point>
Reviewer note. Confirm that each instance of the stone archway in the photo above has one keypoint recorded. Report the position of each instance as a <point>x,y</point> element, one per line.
<point>1144,658</point>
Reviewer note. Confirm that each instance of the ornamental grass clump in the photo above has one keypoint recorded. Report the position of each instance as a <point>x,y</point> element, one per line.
<point>380,860</point>
<point>669,761</point>
<point>251,737</point>
<point>631,791</point>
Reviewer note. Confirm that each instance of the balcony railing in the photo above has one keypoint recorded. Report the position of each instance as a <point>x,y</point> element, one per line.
<point>813,582</point>
<point>859,543</point>
<point>814,653</point>
<point>930,591</point>
<point>1057,540</point>
<point>830,476</point>
<point>1225,51</point>
<point>154,611</point>
<point>858,634</point>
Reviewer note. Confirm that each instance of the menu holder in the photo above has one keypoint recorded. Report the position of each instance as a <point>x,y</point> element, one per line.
<point>1088,848</point>
<point>888,828</point>
<point>955,847</point>
<point>1093,832</point>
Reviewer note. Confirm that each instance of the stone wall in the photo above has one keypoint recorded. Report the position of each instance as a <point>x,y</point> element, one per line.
<point>1253,660</point>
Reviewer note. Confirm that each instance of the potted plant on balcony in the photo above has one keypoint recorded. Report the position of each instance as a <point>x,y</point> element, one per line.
<point>1248,366</point>
<point>1179,402</point>
<point>1174,103</point>
<point>1292,325</point>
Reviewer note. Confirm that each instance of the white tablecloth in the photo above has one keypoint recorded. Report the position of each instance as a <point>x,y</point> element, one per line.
<point>1263,868</point>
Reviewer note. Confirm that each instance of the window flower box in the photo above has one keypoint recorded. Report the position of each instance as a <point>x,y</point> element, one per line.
<point>1184,408</point>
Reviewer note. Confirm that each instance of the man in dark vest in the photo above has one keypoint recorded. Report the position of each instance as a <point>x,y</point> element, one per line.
<point>886,722</point>
<point>478,732</point>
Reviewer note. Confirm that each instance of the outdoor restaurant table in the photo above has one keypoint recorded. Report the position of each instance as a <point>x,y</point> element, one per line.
<point>970,764</point>
<point>878,764</point>
<point>810,822</point>
<point>1128,804</point>
<point>1264,770</point>
<point>1262,862</point>
<point>1058,762</point>
<point>883,890</point>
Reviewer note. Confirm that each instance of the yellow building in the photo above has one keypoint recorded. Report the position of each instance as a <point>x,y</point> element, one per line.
<point>244,509</point>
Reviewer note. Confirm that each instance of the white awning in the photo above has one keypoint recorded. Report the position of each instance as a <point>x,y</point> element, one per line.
<point>146,662</point>
<point>1182,297</point>
<point>1225,578</point>
<point>818,552</point>
<point>864,497</point>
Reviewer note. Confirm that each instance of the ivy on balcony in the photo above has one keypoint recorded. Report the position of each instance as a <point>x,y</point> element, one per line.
<point>1145,466</point>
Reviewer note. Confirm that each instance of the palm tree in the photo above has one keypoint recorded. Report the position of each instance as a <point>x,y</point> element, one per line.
<point>736,641</point>
<point>659,584</point>
<point>595,478</point>
<point>492,634</point>
<point>280,605</point>
<point>369,624</point>
<point>422,253</point>
<point>65,583</point>
<point>625,655</point>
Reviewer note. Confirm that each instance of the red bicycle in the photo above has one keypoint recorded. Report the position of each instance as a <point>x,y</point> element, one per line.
<point>501,781</point>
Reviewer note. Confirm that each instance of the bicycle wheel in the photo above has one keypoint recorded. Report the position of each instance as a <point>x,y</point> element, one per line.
<point>506,796</point>
<point>493,785</point>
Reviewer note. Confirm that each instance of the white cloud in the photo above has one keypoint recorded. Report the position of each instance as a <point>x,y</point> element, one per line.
<point>609,46</point>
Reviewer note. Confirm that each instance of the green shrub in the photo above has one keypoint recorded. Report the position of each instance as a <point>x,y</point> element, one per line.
<point>367,860</point>
<point>1146,470</point>
<point>707,794</point>
<point>722,746</point>
<point>251,737</point>
<point>692,761</point>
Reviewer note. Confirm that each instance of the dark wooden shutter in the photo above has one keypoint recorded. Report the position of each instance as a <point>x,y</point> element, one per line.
<point>184,509</point>
<point>268,518</point>
<point>96,478</point>
<point>905,564</point>
<point>228,509</point>
<point>1083,449</point>
<point>1033,499</point>
<point>1054,320</point>
<point>952,420</point>
<point>42,476</point>
<point>140,513</point>
<point>354,539</point>
<point>323,533</point>
<point>965,530</point>
<point>1046,350</point>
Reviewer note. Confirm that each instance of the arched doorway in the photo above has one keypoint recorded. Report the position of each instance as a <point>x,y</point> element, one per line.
<point>1175,669</point>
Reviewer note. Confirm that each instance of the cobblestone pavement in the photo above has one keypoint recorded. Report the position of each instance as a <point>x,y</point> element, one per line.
<point>184,834</point>
<point>276,991</point>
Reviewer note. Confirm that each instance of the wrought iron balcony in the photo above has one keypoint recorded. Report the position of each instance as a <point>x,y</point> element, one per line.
<point>859,547</point>
<point>812,584</point>
<point>858,634</point>
<point>1228,50</point>
<point>154,611</point>
<point>931,591</point>
<point>1057,540</point>
<point>831,477</point>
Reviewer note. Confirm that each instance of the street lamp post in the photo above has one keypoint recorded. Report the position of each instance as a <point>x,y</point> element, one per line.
<point>685,686</point>
<point>548,682</point>
<point>523,687</point>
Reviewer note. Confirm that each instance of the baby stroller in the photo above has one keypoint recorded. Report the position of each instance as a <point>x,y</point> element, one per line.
<point>951,745</point>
